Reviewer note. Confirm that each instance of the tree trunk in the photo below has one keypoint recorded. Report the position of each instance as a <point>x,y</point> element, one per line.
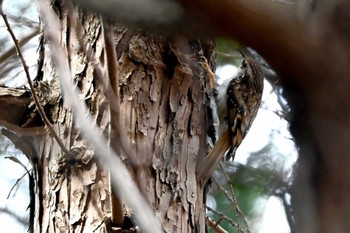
<point>307,44</point>
<point>162,89</point>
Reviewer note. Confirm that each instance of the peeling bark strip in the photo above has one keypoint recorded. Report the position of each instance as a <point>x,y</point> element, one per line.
<point>163,99</point>
<point>74,189</point>
<point>164,91</point>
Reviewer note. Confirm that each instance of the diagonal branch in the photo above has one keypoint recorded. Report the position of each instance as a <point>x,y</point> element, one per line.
<point>23,41</point>
<point>121,178</point>
<point>36,99</point>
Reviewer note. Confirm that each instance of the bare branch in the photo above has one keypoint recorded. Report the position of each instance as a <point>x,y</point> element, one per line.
<point>121,179</point>
<point>19,219</point>
<point>233,197</point>
<point>214,225</point>
<point>36,99</point>
<point>23,41</point>
<point>223,217</point>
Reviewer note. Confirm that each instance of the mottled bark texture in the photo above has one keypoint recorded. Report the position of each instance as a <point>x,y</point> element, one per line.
<point>162,109</point>
<point>307,43</point>
<point>163,106</point>
<point>163,94</point>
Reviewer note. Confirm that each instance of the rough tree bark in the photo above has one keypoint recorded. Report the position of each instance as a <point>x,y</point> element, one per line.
<point>307,43</point>
<point>163,96</point>
<point>311,53</point>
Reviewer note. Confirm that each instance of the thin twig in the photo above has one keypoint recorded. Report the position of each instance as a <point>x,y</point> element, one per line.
<point>223,217</point>
<point>23,41</point>
<point>35,97</point>
<point>215,226</point>
<point>234,203</point>
<point>234,199</point>
<point>15,184</point>
<point>11,213</point>
<point>222,189</point>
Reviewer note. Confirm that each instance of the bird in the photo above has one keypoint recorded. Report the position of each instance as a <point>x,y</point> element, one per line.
<point>239,106</point>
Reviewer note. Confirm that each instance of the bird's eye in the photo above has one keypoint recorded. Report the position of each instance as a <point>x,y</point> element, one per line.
<point>244,64</point>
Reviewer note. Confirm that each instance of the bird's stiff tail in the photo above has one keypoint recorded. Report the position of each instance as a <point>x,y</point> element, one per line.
<point>206,167</point>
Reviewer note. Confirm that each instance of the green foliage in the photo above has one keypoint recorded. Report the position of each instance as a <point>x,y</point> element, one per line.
<point>259,178</point>
<point>227,52</point>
